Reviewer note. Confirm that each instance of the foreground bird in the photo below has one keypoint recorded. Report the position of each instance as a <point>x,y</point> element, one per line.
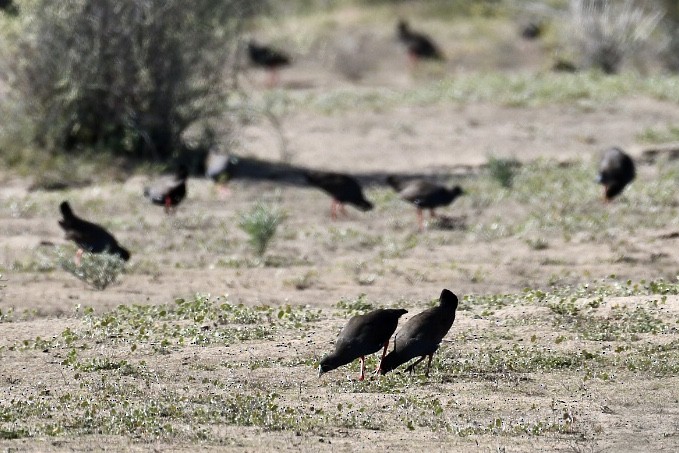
<point>342,188</point>
<point>422,334</point>
<point>268,58</point>
<point>616,170</point>
<point>424,195</point>
<point>168,191</point>
<point>419,45</point>
<point>363,335</point>
<point>89,236</point>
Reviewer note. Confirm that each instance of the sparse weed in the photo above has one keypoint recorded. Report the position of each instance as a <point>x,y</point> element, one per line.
<point>260,223</point>
<point>502,170</point>
<point>97,270</point>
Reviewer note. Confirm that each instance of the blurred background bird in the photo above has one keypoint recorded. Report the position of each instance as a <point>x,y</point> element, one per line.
<point>89,236</point>
<point>342,188</point>
<point>616,170</point>
<point>168,191</point>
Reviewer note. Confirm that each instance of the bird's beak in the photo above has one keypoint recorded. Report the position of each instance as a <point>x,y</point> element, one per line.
<point>320,371</point>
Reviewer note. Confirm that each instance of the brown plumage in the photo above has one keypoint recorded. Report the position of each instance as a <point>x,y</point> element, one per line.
<point>422,334</point>
<point>89,236</point>
<point>424,195</point>
<point>362,335</point>
<point>616,170</point>
<point>342,188</point>
<point>168,191</point>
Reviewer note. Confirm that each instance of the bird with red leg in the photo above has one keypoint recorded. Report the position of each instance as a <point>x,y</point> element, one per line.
<point>616,170</point>
<point>361,336</point>
<point>418,45</point>
<point>422,335</point>
<point>424,195</point>
<point>89,236</point>
<point>272,60</point>
<point>168,191</point>
<point>342,188</point>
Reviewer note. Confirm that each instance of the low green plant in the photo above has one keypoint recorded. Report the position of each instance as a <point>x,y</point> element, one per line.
<point>502,170</point>
<point>260,223</point>
<point>97,270</point>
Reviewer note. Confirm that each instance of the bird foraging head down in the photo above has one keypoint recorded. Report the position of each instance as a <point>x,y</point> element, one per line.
<point>616,170</point>
<point>422,334</point>
<point>361,336</point>
<point>89,236</point>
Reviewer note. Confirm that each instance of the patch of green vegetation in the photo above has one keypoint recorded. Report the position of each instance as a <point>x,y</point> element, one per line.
<point>201,321</point>
<point>502,170</point>
<point>659,135</point>
<point>98,270</point>
<point>358,306</point>
<point>511,89</point>
<point>621,324</point>
<point>260,223</point>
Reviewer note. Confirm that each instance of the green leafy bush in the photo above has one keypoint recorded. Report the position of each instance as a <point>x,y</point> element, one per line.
<point>260,223</point>
<point>126,76</point>
<point>97,270</point>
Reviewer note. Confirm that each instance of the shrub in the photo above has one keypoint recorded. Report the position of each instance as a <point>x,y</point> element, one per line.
<point>502,170</point>
<point>128,76</point>
<point>609,31</point>
<point>97,270</point>
<point>260,223</point>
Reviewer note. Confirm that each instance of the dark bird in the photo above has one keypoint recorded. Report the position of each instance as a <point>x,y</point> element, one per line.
<point>168,191</point>
<point>424,195</point>
<point>616,170</point>
<point>419,45</point>
<point>268,58</point>
<point>342,188</point>
<point>89,236</point>
<point>422,334</point>
<point>363,335</point>
<point>532,30</point>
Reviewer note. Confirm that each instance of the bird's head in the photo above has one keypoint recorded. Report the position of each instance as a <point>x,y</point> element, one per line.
<point>448,299</point>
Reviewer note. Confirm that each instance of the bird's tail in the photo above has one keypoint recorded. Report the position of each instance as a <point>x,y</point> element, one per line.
<point>392,361</point>
<point>364,205</point>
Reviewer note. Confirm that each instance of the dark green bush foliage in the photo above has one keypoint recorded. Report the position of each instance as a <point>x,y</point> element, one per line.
<point>129,76</point>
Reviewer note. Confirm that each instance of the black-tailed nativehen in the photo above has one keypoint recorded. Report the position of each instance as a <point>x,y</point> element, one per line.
<point>361,336</point>
<point>168,191</point>
<point>616,170</point>
<point>268,58</point>
<point>422,334</point>
<point>342,188</point>
<point>89,236</point>
<point>424,195</point>
<point>418,45</point>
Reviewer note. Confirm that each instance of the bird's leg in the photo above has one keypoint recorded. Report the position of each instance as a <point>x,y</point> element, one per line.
<point>411,368</point>
<point>362,376</point>
<point>343,210</point>
<point>412,60</point>
<point>333,209</point>
<point>78,256</point>
<point>420,219</point>
<point>273,78</point>
<point>426,372</point>
<point>223,191</point>
<point>384,353</point>
<point>432,211</point>
<point>606,199</point>
<point>168,204</point>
